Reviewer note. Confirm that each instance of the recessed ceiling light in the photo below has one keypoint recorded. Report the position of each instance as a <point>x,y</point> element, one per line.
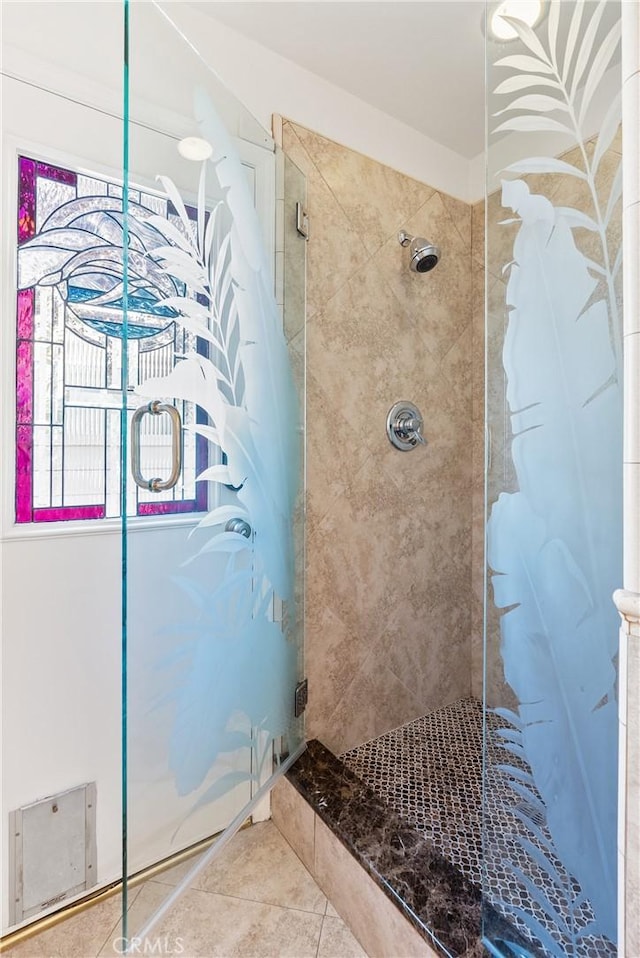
<point>529,11</point>
<point>194,148</point>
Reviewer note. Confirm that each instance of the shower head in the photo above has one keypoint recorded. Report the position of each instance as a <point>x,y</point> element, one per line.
<point>424,255</point>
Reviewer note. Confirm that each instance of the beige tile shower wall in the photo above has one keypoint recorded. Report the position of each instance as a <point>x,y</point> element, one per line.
<point>562,190</point>
<point>388,533</point>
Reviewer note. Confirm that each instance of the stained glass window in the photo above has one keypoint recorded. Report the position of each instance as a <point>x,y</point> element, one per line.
<point>69,352</point>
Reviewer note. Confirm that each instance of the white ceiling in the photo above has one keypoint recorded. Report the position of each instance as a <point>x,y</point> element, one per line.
<point>421,61</point>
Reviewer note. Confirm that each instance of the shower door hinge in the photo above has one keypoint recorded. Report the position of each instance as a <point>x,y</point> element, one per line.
<point>302,221</point>
<point>301,697</point>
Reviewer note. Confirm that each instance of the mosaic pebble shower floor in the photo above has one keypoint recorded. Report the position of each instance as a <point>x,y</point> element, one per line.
<point>430,772</point>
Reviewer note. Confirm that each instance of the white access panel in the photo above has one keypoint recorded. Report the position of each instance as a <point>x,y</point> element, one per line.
<point>54,851</point>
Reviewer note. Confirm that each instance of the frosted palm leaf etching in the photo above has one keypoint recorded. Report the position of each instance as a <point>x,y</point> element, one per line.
<point>237,687</point>
<point>227,673</point>
<point>554,546</point>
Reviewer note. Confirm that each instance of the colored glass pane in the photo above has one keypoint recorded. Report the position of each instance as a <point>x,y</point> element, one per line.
<point>69,327</point>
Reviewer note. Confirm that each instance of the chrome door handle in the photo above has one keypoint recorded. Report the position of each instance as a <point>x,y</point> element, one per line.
<point>156,408</point>
<point>239,526</point>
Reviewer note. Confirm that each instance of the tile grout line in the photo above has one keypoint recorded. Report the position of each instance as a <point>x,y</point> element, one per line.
<point>351,223</point>
<point>110,937</point>
<point>411,747</point>
<point>453,221</point>
<point>253,901</point>
<point>320,935</point>
<point>372,256</point>
<point>338,204</point>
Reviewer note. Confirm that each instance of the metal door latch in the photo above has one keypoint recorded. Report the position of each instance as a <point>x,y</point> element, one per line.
<point>302,221</point>
<point>301,697</point>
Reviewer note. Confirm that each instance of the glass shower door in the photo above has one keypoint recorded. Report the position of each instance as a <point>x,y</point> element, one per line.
<point>554,482</point>
<point>212,465</point>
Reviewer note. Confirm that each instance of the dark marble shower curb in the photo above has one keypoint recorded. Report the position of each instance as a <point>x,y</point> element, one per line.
<point>439,901</point>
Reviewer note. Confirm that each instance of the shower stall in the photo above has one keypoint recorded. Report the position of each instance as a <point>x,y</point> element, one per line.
<point>304,515</point>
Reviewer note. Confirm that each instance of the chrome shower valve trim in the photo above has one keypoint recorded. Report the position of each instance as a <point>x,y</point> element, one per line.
<point>404,426</point>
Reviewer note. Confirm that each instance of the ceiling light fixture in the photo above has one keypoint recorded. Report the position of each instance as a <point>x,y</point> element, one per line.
<point>529,11</point>
<point>195,148</point>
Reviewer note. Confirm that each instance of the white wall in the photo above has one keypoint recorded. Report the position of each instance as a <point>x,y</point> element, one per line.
<point>263,81</point>
<point>60,595</point>
<point>268,83</point>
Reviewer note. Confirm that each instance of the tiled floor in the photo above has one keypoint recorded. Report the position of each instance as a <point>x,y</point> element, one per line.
<point>257,900</point>
<point>430,772</point>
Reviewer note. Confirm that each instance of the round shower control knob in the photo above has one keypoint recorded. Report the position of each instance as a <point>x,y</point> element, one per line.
<point>404,426</point>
